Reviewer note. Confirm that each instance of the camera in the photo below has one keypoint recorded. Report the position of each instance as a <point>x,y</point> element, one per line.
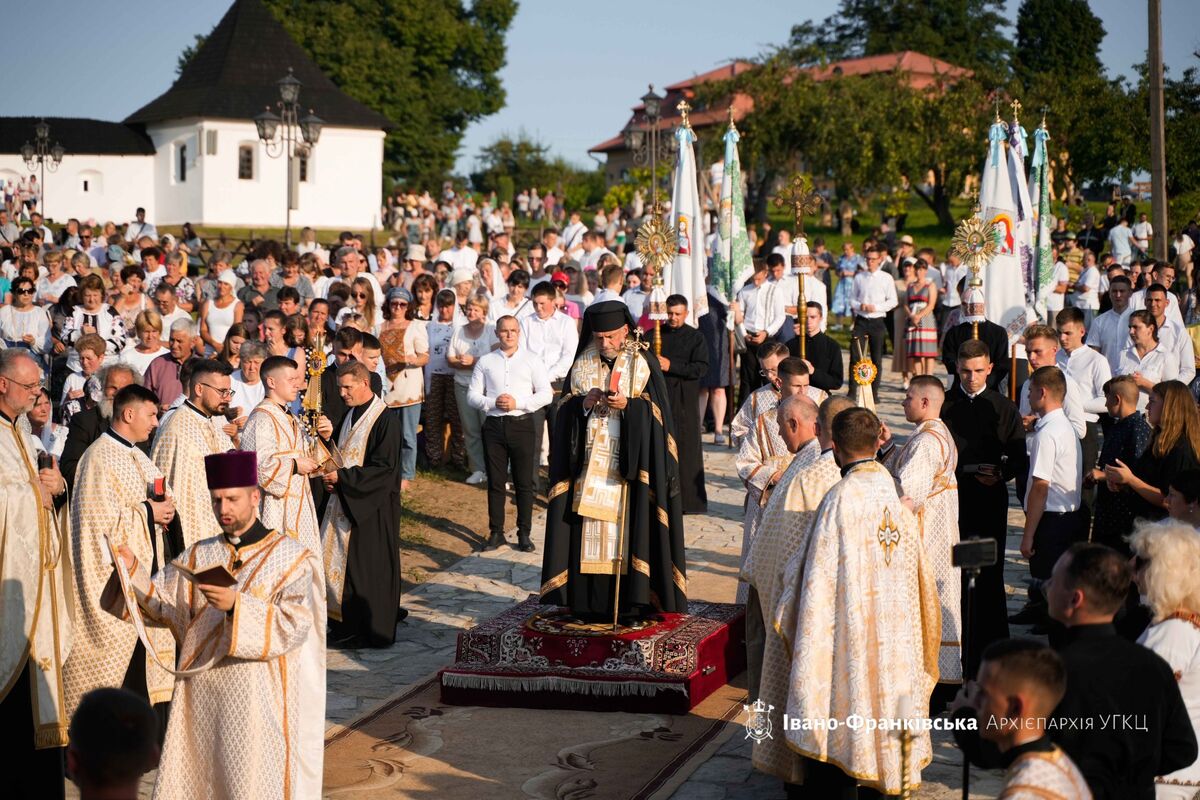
<point>974,553</point>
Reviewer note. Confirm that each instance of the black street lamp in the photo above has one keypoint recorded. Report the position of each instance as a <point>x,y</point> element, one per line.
<point>41,155</point>
<point>646,146</point>
<point>298,136</point>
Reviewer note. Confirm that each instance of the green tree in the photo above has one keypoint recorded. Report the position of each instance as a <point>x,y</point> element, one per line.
<point>1060,38</point>
<point>430,66</point>
<point>525,161</point>
<point>968,33</point>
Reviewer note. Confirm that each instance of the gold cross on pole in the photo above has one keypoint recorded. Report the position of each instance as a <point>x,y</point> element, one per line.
<point>1015,105</point>
<point>800,195</point>
<point>683,108</point>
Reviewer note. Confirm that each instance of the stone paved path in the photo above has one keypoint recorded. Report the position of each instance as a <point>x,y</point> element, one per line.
<point>482,585</point>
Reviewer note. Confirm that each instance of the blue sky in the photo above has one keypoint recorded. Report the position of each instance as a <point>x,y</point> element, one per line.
<point>572,73</point>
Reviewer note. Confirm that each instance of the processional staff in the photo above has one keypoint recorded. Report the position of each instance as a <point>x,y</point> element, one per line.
<point>799,194</point>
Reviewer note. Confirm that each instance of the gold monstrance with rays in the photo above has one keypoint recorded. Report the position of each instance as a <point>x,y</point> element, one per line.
<point>974,243</point>
<point>799,194</point>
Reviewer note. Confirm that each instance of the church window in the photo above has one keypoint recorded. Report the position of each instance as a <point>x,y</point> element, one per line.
<point>246,162</point>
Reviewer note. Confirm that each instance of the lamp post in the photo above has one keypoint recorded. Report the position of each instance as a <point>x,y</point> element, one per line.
<point>646,146</point>
<point>41,155</point>
<point>297,137</point>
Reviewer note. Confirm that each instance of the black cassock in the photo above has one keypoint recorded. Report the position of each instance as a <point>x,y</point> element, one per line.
<point>686,349</point>
<point>654,519</point>
<point>370,496</point>
<point>986,430</point>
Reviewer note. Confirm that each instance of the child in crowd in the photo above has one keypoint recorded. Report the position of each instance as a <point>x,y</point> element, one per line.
<point>80,390</point>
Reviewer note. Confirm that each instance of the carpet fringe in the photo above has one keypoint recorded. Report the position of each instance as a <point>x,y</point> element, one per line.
<point>554,683</point>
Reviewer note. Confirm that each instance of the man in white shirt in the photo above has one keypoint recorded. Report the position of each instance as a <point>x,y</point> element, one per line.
<point>953,271</point>
<point>550,248</point>
<point>1090,371</point>
<point>1059,281</point>
<point>1120,243</point>
<point>139,227</point>
<point>509,385</point>
<point>1041,348</point>
<point>1172,335</point>
<point>1143,232</point>
<point>572,234</point>
<point>350,263</point>
<point>784,246</point>
<point>788,298</point>
<point>1053,521</point>
<point>552,338</point>
<point>750,327</point>
<point>871,297</point>
<point>463,255</point>
<point>1109,332</point>
<point>593,249</point>
<point>1162,274</point>
<point>1086,297</point>
<point>612,278</point>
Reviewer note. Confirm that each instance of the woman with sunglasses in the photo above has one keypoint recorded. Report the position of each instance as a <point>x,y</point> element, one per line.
<point>405,345</point>
<point>362,302</point>
<point>24,324</point>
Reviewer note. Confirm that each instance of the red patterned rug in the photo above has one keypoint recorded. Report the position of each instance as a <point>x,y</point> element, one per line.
<point>536,656</point>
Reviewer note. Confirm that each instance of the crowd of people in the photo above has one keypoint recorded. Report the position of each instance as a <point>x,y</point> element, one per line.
<point>187,399</point>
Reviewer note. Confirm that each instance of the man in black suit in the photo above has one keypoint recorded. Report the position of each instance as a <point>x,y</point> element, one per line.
<point>823,354</point>
<point>88,425</point>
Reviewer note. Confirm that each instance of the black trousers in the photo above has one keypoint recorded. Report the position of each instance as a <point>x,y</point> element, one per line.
<point>1056,532</point>
<point>546,415</point>
<point>748,377</point>
<point>1091,453</point>
<point>823,781</point>
<point>876,331</point>
<point>510,440</point>
<point>36,774</point>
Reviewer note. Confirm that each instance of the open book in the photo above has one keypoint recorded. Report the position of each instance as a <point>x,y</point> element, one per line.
<point>218,575</point>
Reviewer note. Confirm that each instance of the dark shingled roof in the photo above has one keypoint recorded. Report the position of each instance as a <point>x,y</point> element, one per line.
<point>234,75</point>
<point>78,136</point>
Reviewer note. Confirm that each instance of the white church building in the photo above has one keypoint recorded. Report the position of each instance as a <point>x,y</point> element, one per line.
<point>194,155</point>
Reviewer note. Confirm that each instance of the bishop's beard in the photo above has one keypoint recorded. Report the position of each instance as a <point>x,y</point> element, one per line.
<point>105,408</point>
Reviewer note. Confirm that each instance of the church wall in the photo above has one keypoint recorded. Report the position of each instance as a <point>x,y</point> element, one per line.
<point>100,187</point>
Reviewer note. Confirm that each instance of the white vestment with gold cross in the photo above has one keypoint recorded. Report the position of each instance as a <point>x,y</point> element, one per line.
<point>179,449</point>
<point>35,587</point>
<point>761,454</point>
<point>112,483</point>
<point>862,628</point>
<point>774,561</point>
<point>286,505</point>
<point>924,468</point>
<point>235,729</point>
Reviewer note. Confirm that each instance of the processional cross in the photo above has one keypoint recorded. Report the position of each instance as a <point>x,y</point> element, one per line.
<point>804,200</point>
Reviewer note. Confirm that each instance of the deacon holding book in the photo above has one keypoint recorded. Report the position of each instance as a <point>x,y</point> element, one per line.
<point>121,495</point>
<point>241,606</point>
<point>614,526</point>
<point>360,531</point>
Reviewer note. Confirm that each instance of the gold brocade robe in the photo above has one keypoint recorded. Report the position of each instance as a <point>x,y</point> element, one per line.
<point>762,453</point>
<point>776,560</point>
<point>234,729</point>
<point>924,468</point>
<point>761,400</point>
<point>287,506</point>
<point>601,494</point>
<point>109,499</point>
<point>35,587</point>
<point>1044,776</point>
<point>179,450</point>
<point>335,526</point>
<point>287,503</point>
<point>862,627</point>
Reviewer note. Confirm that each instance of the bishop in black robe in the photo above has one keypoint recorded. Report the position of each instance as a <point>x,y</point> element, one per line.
<point>370,497</point>
<point>654,574</point>
<point>987,431</point>
<point>684,363</point>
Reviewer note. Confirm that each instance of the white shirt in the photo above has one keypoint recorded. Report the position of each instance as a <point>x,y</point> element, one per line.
<point>138,360</point>
<point>552,341</point>
<point>1056,456</point>
<point>553,256</point>
<point>521,375</point>
<point>1137,300</point>
<point>1090,371</point>
<point>589,259</point>
<point>814,292</point>
<point>461,258</point>
<point>748,298</point>
<point>1107,336</point>
<point>572,235</point>
<point>499,308</point>
<point>635,301</point>
<point>1072,408</point>
<point>246,396</point>
<point>768,311</point>
<point>876,289</point>
<point>136,230</point>
<point>1157,366</point>
<point>1055,300</point>
<point>1174,338</point>
<point>605,295</point>
<point>950,277</point>
<point>1087,289</point>
<point>169,319</point>
<point>1142,231</point>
